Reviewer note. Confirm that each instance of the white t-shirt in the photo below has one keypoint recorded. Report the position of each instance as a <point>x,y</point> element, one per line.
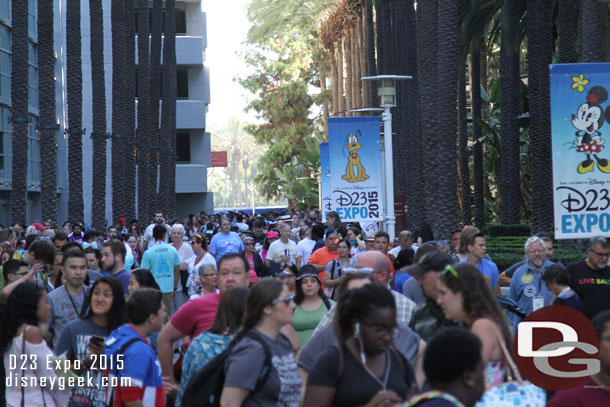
<point>304,248</point>
<point>394,252</point>
<point>242,226</point>
<point>278,249</point>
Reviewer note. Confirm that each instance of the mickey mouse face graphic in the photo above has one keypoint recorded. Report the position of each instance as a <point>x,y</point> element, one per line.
<point>589,118</point>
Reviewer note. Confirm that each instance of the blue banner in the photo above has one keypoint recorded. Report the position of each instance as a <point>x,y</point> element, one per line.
<point>580,123</point>
<point>325,177</point>
<point>355,167</point>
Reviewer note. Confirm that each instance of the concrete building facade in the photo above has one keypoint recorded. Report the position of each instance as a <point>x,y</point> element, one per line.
<point>193,97</point>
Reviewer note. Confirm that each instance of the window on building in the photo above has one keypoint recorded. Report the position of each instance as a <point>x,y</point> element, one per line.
<point>183,147</point>
<point>182,84</point>
<point>33,152</point>
<point>5,10</point>
<point>5,141</point>
<point>32,12</point>
<point>5,63</point>
<point>32,76</point>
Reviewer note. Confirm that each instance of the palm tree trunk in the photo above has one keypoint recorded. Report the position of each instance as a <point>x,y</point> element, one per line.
<point>463,156</point>
<point>510,145</point>
<point>384,22</point>
<point>128,184</point>
<point>74,86</point>
<point>361,59</point>
<point>368,39</point>
<point>48,127</point>
<point>145,170</point>
<point>335,79</point>
<point>348,69</point>
<point>120,152</point>
<point>324,91</point>
<point>168,108</point>
<point>540,47</point>
<point>567,32</point>
<point>340,71</point>
<point>447,81</point>
<point>477,136</point>
<point>591,25</point>
<point>356,73</point>
<point>98,97</point>
<point>155,92</point>
<point>426,72</point>
<point>19,110</point>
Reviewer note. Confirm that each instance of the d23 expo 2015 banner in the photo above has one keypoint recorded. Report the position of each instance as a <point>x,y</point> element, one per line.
<point>355,167</point>
<point>580,122</point>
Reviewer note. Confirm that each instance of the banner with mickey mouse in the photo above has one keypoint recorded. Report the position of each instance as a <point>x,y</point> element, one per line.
<point>580,123</point>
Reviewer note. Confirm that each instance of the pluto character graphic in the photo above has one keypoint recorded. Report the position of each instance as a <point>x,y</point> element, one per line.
<point>353,160</point>
<point>589,117</point>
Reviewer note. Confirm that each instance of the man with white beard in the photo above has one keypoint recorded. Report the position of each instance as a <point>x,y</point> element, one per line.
<point>526,286</point>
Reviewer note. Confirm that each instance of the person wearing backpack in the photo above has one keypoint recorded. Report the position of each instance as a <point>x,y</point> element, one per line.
<point>312,304</point>
<point>335,269</point>
<point>364,369</point>
<point>133,361</point>
<point>269,307</point>
<point>215,340</point>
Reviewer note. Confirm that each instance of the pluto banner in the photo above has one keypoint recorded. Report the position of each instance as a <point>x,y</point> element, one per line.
<point>355,166</point>
<point>580,123</point>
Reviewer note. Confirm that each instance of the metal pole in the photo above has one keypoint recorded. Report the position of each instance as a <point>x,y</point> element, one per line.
<point>389,172</point>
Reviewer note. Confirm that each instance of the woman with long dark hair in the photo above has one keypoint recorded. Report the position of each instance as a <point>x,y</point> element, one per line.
<point>269,307</point>
<point>312,304</point>
<point>372,372</point>
<point>335,268</point>
<point>212,342</point>
<point>21,339</point>
<point>465,296</point>
<point>82,340</point>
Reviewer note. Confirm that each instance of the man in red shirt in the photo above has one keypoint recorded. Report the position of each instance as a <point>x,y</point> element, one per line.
<point>324,255</point>
<point>197,315</point>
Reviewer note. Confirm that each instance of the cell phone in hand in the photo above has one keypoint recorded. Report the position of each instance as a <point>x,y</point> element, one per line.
<point>97,340</point>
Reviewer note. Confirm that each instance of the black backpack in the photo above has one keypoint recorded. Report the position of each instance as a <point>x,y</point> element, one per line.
<point>205,387</point>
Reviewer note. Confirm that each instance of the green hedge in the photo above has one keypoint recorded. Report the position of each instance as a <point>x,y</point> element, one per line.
<point>507,230</point>
<point>508,250</point>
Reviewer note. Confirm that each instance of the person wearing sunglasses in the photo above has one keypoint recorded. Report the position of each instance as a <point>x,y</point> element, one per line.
<point>269,307</point>
<point>464,296</point>
<point>365,356</point>
<point>257,268</point>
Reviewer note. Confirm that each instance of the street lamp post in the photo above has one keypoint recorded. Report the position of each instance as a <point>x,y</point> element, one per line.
<point>387,100</point>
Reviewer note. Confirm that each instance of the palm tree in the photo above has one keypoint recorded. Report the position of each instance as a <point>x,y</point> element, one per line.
<point>592,13</point>
<point>477,134</point>
<point>567,31</point>
<point>368,47</point>
<point>48,127</point>
<point>128,190</point>
<point>155,92</point>
<point>348,67</point>
<point>463,156</point>
<point>540,48</point>
<point>74,86</point>
<point>145,171</point>
<point>98,97</point>
<point>168,108</point>
<point>19,109</point>
<point>447,83</point>
<point>119,114</point>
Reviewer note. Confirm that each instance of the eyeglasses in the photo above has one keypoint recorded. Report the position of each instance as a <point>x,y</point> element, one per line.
<point>537,251</point>
<point>249,244</point>
<point>286,300</point>
<point>195,242</point>
<point>449,270</point>
<point>381,329</point>
<point>600,254</point>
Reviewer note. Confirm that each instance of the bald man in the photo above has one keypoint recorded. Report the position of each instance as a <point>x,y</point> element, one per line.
<point>378,265</point>
<point>405,240</point>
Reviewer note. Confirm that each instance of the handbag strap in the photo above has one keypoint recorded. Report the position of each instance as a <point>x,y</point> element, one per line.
<point>22,388</point>
<point>507,357</point>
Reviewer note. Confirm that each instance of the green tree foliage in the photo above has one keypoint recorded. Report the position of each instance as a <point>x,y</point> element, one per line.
<point>282,75</point>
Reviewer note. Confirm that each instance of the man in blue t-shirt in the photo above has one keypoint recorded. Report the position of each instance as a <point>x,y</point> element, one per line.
<point>477,248</point>
<point>225,241</point>
<point>163,262</point>
<point>526,286</point>
<point>113,262</point>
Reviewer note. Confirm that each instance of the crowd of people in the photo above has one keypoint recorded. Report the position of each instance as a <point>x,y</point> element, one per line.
<point>235,310</point>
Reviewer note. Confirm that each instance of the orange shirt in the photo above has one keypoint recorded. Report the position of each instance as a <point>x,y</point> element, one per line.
<point>322,257</point>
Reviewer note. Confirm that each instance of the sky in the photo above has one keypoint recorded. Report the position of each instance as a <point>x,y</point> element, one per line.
<point>227,28</point>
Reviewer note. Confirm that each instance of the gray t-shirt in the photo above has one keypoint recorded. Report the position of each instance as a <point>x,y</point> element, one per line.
<point>73,341</point>
<point>412,290</point>
<point>283,386</point>
<point>406,342</point>
<point>62,309</point>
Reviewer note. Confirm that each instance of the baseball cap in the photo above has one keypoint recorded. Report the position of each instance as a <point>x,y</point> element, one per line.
<point>38,226</point>
<point>433,261</point>
<point>271,234</point>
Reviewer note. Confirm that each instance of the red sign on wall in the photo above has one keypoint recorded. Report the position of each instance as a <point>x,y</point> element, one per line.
<point>219,159</point>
